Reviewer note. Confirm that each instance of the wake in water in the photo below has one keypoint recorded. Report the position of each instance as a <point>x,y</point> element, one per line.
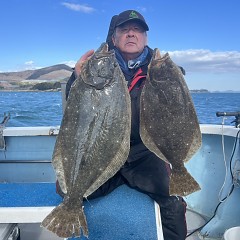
<point>31,108</point>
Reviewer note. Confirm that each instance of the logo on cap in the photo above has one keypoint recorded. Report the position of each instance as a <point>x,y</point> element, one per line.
<point>133,15</point>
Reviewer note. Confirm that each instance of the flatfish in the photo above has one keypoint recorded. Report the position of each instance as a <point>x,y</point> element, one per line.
<point>93,142</point>
<point>168,122</point>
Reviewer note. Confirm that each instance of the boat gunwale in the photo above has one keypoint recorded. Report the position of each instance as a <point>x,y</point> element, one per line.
<point>226,130</point>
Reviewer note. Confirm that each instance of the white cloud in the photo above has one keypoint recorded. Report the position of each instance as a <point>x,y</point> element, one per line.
<point>202,60</point>
<point>78,7</point>
<point>142,9</point>
<point>29,63</point>
<point>70,63</point>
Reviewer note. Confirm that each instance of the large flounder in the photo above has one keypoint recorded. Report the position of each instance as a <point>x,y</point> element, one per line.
<point>93,141</point>
<point>168,123</point>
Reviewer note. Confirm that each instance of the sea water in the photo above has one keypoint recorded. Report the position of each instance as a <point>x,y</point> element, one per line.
<point>45,108</point>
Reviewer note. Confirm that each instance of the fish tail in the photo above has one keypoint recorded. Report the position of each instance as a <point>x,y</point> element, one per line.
<point>66,223</point>
<point>182,183</point>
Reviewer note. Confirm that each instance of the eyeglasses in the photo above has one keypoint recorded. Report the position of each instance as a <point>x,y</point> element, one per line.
<point>125,29</point>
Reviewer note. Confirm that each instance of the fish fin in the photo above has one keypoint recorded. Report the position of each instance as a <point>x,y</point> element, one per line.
<point>112,168</point>
<point>149,142</point>
<point>59,168</point>
<point>182,183</point>
<point>61,181</point>
<point>157,54</point>
<point>195,145</point>
<point>66,223</point>
<point>102,49</point>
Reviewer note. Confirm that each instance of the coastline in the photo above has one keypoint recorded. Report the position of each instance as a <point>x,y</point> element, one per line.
<point>59,90</point>
<point>29,90</point>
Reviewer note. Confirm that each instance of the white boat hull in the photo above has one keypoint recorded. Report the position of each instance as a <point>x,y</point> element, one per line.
<point>27,159</point>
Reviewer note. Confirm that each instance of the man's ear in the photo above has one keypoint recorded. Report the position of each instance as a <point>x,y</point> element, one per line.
<point>146,40</point>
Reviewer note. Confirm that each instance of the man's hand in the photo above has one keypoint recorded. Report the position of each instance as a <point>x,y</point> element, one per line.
<point>80,62</point>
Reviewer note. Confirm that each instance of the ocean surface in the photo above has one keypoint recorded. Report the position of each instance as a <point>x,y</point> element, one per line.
<point>45,108</point>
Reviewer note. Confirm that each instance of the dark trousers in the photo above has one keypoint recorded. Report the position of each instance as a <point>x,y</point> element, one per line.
<point>145,172</point>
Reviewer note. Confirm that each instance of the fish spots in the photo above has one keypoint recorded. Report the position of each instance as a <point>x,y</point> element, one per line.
<point>100,62</point>
<point>107,91</point>
<point>168,121</point>
<point>93,141</point>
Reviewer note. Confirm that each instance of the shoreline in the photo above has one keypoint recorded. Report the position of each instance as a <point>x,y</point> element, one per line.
<point>59,90</point>
<point>30,90</point>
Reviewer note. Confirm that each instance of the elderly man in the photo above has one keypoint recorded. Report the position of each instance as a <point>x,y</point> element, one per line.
<point>143,170</point>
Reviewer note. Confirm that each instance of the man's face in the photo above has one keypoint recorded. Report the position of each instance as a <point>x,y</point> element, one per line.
<point>130,38</point>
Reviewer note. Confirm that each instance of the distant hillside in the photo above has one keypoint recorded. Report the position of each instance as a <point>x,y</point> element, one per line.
<point>16,76</point>
<point>58,70</point>
<point>24,80</point>
<point>199,91</point>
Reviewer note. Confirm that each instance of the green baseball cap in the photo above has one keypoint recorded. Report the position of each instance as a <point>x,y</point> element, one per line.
<point>131,15</point>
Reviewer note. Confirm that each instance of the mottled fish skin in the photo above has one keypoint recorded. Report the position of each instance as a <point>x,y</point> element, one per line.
<point>168,122</point>
<point>94,139</point>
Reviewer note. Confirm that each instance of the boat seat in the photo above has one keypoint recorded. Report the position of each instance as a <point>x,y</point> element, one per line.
<point>131,214</point>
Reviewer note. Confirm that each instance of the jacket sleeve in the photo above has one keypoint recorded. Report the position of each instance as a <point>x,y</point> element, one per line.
<point>69,84</point>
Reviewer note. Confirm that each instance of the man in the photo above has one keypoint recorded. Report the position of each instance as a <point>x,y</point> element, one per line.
<point>143,170</point>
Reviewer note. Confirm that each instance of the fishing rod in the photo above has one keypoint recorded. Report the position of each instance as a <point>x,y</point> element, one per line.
<point>231,114</point>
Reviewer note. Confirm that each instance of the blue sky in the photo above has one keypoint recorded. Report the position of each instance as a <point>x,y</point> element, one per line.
<point>203,36</point>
